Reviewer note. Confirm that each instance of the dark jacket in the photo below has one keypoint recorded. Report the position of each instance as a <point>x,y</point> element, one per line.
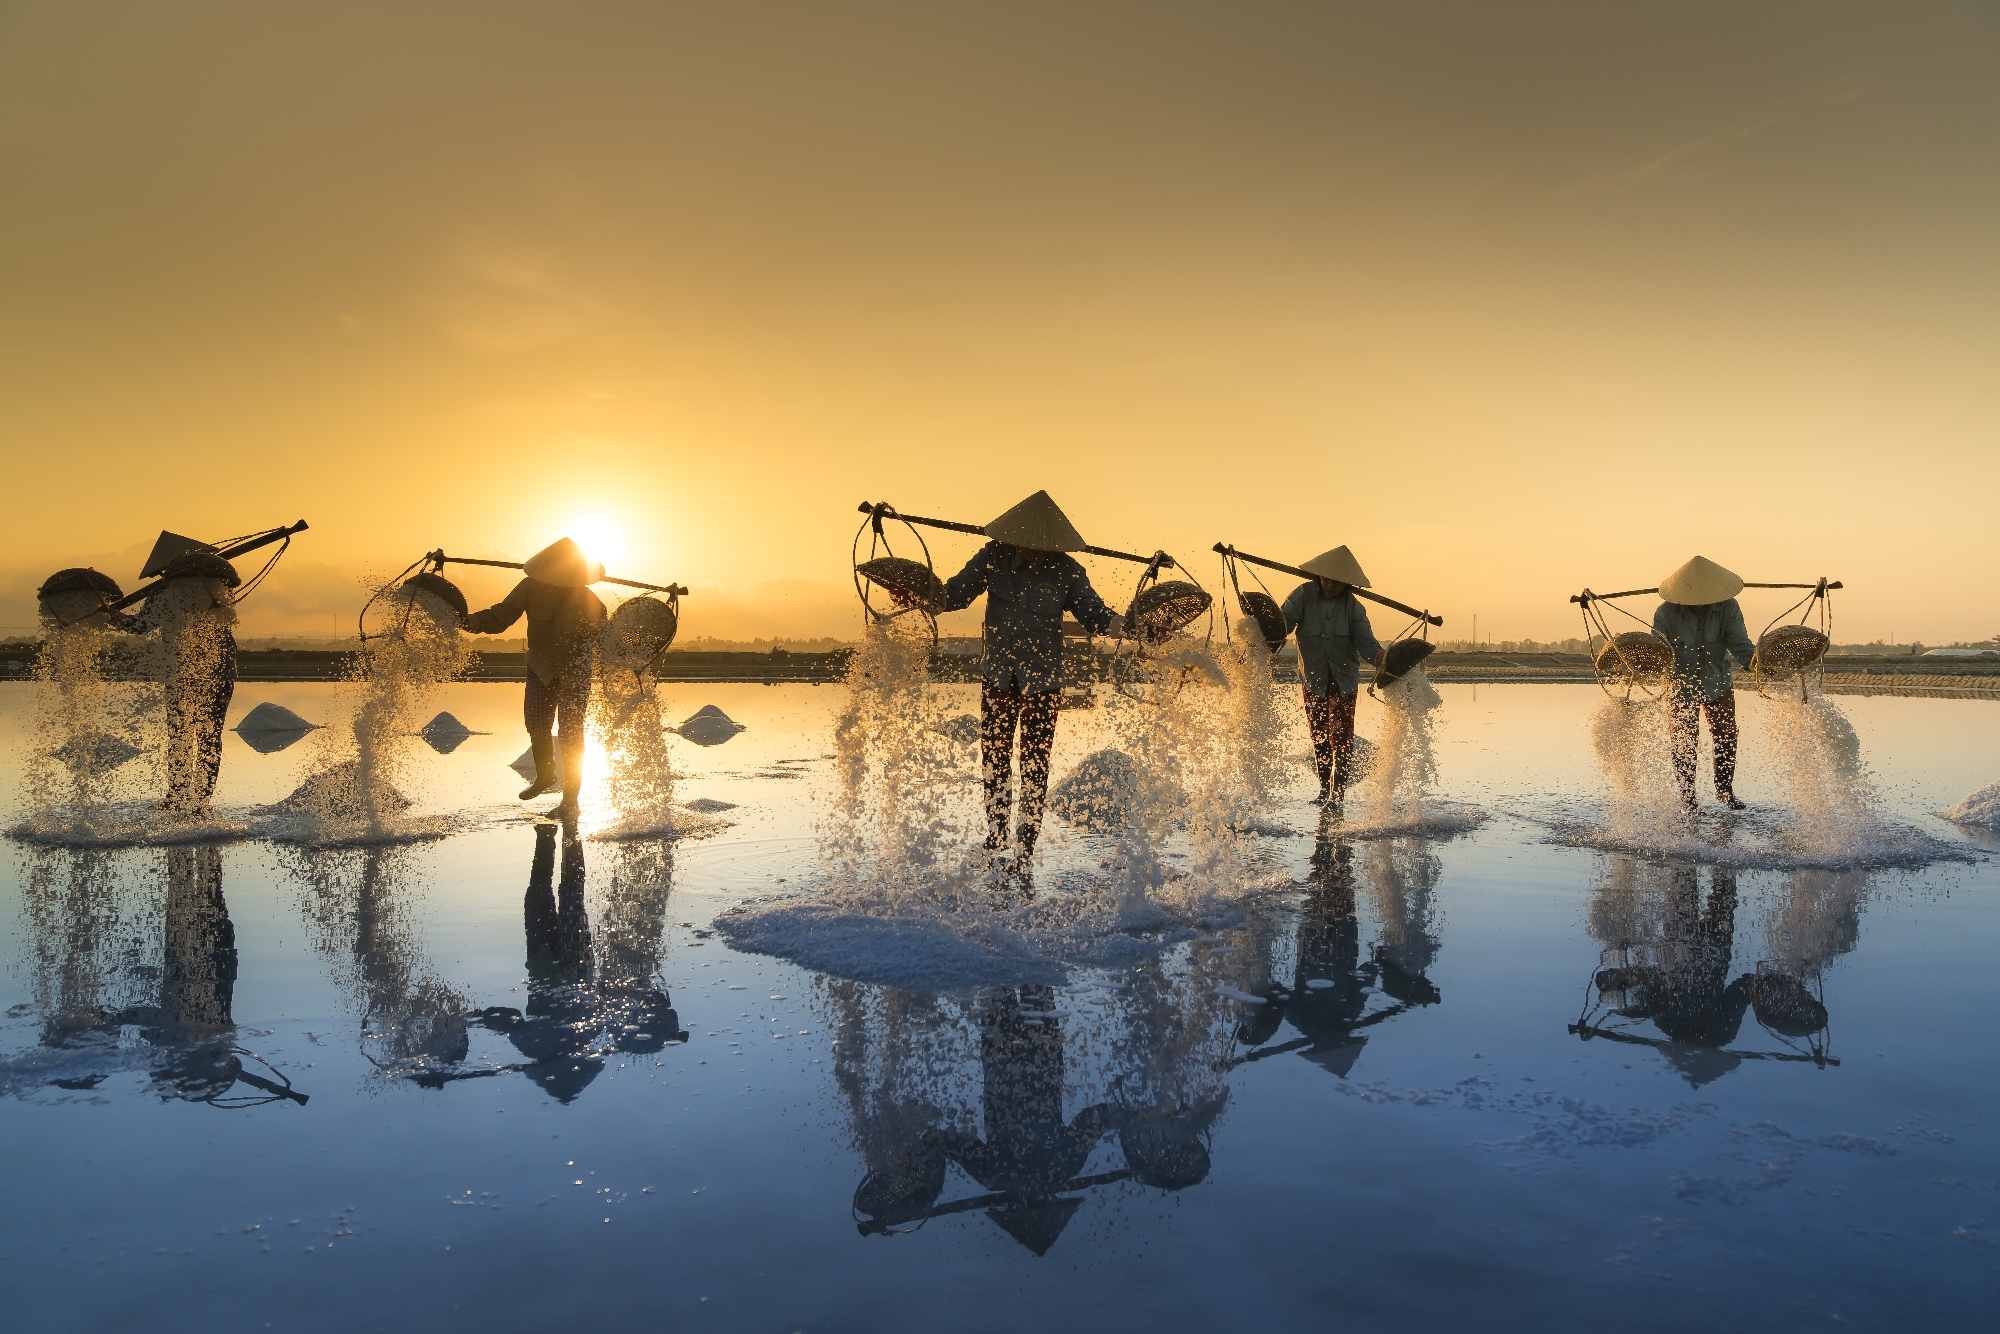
<point>562,625</point>
<point>1027,593</point>
<point>1704,639</point>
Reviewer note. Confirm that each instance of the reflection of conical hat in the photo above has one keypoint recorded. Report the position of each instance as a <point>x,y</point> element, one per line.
<point>563,562</point>
<point>1037,524</point>
<point>1700,582</point>
<point>1338,565</point>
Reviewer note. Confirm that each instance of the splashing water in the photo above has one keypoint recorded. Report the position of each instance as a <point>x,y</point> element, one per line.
<point>1630,740</point>
<point>388,693</point>
<point>625,717</point>
<point>1393,796</point>
<point>913,899</point>
<point>87,728</point>
<point>1815,757</point>
<point>902,812</point>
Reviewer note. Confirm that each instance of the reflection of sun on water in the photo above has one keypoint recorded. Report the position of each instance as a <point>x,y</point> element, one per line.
<point>601,537</point>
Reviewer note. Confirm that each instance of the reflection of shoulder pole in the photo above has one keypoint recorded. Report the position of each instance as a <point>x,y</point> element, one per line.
<point>1224,549</point>
<point>439,559</point>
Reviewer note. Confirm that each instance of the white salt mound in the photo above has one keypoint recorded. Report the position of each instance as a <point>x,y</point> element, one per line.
<point>1981,809</point>
<point>709,726</point>
<point>1099,793</point>
<point>444,727</point>
<point>269,717</point>
<point>338,790</point>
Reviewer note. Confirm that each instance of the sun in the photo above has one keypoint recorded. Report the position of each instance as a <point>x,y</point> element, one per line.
<point>601,537</point>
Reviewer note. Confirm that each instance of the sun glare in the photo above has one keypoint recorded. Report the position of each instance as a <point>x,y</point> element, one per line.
<point>601,537</point>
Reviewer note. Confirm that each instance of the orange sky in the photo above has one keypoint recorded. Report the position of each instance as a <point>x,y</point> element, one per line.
<point>1511,299</point>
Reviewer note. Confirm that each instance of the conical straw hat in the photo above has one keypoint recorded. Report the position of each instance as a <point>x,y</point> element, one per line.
<point>1037,524</point>
<point>563,562</point>
<point>1700,582</point>
<point>1338,565</point>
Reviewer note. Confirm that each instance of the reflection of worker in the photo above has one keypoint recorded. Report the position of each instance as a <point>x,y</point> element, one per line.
<point>564,617</point>
<point>567,1009</point>
<point>1029,583</point>
<point>192,609</point>
<point>1699,619</point>
<point>1334,637</point>
<point>1688,994</point>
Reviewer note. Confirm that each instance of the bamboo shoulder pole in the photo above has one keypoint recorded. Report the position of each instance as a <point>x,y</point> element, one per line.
<point>678,590</point>
<point>1224,549</point>
<point>887,511</point>
<point>1821,586</point>
<point>230,552</point>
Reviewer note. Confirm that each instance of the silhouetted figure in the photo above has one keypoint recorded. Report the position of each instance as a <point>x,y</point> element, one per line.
<point>1334,639</point>
<point>1699,618</point>
<point>194,613</point>
<point>1029,582</point>
<point>564,617</point>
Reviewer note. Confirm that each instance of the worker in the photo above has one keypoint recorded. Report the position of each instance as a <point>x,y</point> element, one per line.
<point>1029,582</point>
<point>192,608</point>
<point>1699,619</point>
<point>564,617</point>
<point>1334,639</point>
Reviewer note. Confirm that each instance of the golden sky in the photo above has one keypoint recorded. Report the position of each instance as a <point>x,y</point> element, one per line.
<point>1509,298</point>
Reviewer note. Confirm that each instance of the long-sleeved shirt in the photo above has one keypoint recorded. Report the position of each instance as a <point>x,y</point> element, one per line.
<point>1027,593</point>
<point>1704,639</point>
<point>562,625</point>
<point>1334,638</point>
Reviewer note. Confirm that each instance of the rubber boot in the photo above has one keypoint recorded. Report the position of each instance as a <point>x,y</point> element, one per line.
<point>572,781</point>
<point>546,777</point>
<point>1325,767</point>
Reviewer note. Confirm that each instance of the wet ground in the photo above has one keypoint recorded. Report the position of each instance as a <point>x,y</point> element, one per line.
<point>507,1080</point>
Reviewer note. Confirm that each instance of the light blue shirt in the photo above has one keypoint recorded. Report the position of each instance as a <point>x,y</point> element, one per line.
<point>1704,639</point>
<point>1334,638</point>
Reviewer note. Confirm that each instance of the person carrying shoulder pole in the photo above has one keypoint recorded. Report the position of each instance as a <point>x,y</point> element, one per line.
<point>194,612</point>
<point>1334,638</point>
<point>564,617</point>
<point>1700,620</point>
<point>1029,582</point>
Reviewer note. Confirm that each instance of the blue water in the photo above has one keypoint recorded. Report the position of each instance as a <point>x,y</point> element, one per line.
<point>444,1087</point>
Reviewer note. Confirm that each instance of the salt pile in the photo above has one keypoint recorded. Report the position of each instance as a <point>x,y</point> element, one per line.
<point>269,717</point>
<point>445,734</point>
<point>709,726</point>
<point>1099,793</point>
<point>270,728</point>
<point>1981,810</point>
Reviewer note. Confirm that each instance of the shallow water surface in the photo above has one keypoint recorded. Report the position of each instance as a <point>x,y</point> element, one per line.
<point>507,1079</point>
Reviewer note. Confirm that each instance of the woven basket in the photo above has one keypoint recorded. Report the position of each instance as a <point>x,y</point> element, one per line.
<point>644,627</point>
<point>1788,649</point>
<point>1263,608</point>
<point>1401,659</point>
<point>67,596</point>
<point>913,579</point>
<point>439,587</point>
<point>1636,653</point>
<point>1162,609</point>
